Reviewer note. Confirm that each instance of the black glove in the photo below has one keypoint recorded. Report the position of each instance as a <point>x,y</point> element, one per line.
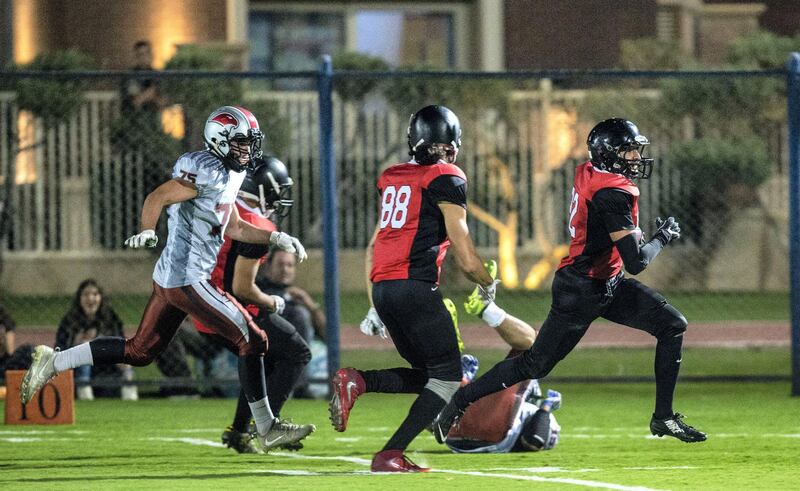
<point>668,230</point>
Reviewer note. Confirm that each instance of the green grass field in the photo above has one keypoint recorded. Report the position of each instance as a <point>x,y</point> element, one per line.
<point>531,306</point>
<point>165,444</point>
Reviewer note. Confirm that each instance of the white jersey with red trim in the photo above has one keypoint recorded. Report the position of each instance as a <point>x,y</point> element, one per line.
<point>197,226</point>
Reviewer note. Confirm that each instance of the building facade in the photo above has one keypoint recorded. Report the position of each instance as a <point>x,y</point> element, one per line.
<point>455,34</point>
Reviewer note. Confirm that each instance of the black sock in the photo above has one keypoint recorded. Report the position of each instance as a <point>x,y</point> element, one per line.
<point>667,366</point>
<point>501,376</point>
<point>251,376</point>
<point>241,420</point>
<point>107,350</point>
<point>395,380</point>
<point>420,416</point>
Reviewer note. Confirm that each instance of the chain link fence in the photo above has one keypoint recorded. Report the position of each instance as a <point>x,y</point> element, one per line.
<point>79,153</point>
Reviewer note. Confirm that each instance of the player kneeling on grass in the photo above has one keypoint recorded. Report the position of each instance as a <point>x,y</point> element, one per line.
<point>516,419</point>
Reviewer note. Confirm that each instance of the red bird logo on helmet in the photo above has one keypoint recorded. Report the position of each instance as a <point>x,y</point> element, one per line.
<point>225,119</point>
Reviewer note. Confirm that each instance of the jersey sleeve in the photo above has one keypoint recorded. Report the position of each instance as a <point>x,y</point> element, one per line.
<point>251,251</point>
<point>190,170</point>
<point>615,209</point>
<point>448,188</point>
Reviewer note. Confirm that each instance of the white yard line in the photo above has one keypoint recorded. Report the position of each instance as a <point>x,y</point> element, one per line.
<point>366,462</point>
<point>33,439</point>
<point>576,482</point>
<point>190,441</point>
<point>561,480</point>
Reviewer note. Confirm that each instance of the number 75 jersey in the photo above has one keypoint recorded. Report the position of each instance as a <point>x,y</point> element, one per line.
<point>412,239</point>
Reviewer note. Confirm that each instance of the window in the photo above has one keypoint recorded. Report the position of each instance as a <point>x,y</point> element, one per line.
<point>289,37</point>
<point>405,38</point>
<point>293,41</point>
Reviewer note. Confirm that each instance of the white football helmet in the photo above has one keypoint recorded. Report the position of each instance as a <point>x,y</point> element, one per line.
<point>232,134</point>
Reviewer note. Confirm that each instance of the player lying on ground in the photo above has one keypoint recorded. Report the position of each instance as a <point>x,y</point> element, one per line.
<point>516,419</point>
<point>262,200</point>
<point>589,283</point>
<point>422,212</point>
<point>200,197</point>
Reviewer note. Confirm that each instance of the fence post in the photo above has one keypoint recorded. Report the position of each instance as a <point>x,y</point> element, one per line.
<point>793,111</point>
<point>330,225</point>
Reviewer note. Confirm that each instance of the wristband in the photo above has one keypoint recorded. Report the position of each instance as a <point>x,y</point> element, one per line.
<point>493,315</point>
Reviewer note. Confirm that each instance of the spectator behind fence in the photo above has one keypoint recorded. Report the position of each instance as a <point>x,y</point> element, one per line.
<point>140,143</point>
<point>11,358</point>
<point>90,315</point>
<point>142,95</point>
<point>277,278</point>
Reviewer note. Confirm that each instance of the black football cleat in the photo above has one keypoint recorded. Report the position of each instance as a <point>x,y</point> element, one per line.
<point>675,427</point>
<point>448,417</point>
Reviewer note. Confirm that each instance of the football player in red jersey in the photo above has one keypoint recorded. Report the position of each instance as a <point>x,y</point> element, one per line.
<point>262,197</point>
<point>422,213</point>
<point>590,283</point>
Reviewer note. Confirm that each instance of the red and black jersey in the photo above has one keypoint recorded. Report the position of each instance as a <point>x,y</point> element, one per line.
<point>412,239</point>
<point>602,203</point>
<point>222,276</point>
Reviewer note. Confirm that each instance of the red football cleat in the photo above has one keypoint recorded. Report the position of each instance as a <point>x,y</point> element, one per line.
<point>348,384</point>
<point>394,461</point>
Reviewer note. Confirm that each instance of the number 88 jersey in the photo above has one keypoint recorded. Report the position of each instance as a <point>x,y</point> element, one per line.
<point>412,239</point>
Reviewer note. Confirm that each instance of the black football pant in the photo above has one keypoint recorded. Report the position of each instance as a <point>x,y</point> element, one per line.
<point>423,333</point>
<point>287,356</point>
<point>577,302</point>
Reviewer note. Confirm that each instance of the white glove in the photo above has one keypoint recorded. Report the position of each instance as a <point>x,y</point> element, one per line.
<point>372,325</point>
<point>288,243</point>
<point>280,304</point>
<point>145,238</point>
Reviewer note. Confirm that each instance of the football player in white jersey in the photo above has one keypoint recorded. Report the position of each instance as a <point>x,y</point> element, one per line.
<point>200,198</point>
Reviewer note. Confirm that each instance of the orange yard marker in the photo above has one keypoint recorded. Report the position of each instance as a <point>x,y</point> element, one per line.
<point>54,404</point>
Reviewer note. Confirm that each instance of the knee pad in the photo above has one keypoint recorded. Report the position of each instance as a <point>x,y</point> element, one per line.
<point>136,356</point>
<point>443,388</point>
<point>534,364</point>
<point>674,325</point>
<point>258,344</point>
<point>449,370</point>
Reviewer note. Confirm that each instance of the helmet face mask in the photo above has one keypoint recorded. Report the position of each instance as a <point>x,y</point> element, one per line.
<point>233,135</point>
<point>615,145</point>
<point>269,186</point>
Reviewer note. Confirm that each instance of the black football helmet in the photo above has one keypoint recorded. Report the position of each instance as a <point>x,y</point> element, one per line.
<point>269,184</point>
<point>611,138</point>
<point>433,126</point>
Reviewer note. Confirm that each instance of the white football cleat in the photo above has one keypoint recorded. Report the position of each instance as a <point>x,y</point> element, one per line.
<point>284,432</point>
<point>40,372</point>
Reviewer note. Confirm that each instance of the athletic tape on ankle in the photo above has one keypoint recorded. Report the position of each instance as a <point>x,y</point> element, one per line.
<point>493,315</point>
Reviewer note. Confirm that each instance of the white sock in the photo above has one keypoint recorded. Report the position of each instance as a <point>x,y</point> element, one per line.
<point>493,315</point>
<point>262,413</point>
<point>74,357</point>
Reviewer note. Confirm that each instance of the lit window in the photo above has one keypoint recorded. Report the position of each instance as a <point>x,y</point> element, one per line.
<point>405,38</point>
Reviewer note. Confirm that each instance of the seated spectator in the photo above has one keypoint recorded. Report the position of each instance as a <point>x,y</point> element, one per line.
<point>11,358</point>
<point>90,316</point>
<point>277,277</point>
